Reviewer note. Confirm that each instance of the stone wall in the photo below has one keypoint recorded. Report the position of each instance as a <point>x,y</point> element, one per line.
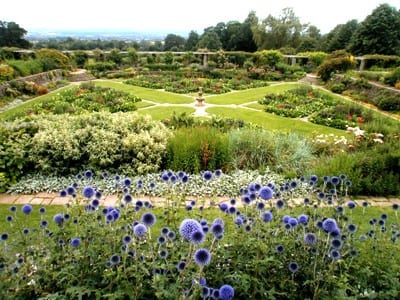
<point>40,79</point>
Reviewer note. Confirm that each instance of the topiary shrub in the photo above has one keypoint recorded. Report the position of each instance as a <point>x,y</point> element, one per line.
<point>268,58</point>
<point>338,61</point>
<point>53,59</point>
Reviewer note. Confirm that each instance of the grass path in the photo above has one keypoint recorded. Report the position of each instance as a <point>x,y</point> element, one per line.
<point>250,95</point>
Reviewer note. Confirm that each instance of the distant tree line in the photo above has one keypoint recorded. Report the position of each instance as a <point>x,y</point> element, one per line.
<point>379,33</point>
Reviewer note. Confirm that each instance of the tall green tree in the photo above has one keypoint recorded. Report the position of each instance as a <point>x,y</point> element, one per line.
<point>279,32</point>
<point>192,40</point>
<point>379,33</point>
<point>341,36</point>
<point>11,35</point>
<point>210,40</point>
<point>174,42</point>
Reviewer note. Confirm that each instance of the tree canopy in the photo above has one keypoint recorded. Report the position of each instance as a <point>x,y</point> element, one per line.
<point>11,35</point>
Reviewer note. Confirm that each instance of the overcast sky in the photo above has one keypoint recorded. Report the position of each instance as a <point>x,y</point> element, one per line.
<point>175,15</point>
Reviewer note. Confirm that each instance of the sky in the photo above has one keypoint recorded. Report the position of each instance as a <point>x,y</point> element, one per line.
<point>174,15</point>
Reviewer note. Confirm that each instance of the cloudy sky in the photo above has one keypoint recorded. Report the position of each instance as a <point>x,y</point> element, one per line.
<point>175,15</point>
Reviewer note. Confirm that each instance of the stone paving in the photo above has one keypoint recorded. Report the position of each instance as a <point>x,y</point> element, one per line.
<point>110,200</point>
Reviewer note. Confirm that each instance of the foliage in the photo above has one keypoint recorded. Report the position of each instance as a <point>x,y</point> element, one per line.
<point>26,67</point>
<point>315,59</point>
<point>192,40</point>
<point>393,77</point>
<point>98,67</point>
<point>173,42</point>
<point>373,171</point>
<point>210,40</point>
<point>379,33</point>
<point>341,36</point>
<point>260,149</point>
<point>65,144</point>
<point>381,61</point>
<point>269,58</point>
<point>80,57</point>
<point>197,148</point>
<point>337,62</point>
<point>87,98</point>
<point>53,59</point>
<point>114,56</point>
<point>12,35</point>
<point>6,72</point>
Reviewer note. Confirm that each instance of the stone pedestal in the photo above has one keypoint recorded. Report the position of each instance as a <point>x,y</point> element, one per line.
<point>200,99</point>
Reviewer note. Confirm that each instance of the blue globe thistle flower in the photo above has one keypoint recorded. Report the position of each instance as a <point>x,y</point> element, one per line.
<point>226,292</point>
<point>239,220</point>
<point>207,175</point>
<point>163,253</point>
<point>314,178</point>
<point>285,219</point>
<point>70,190</point>
<point>185,178</point>
<point>381,222</point>
<point>180,266</point>
<point>44,223</point>
<point>351,204</point>
<point>218,173</point>
<point>339,209</point>
<point>265,193</point>
<point>293,184</point>
<point>164,231</point>
<point>181,174</point>
<point>27,209</point>
<point>219,221</point>
<point>205,228</point>
<point>149,219</point>
<point>326,179</point>
<point>188,227</point>
<point>139,203</point>
<point>310,238</point>
<point>152,185</point>
<point>88,192</point>
<point>127,182</point>
<point>352,228</point>
<point>203,222</point>
<point>335,180</point>
<point>395,206</point>
<point>280,204</point>
<point>302,179</point>
<point>161,240</point>
<point>384,216</point>
<point>88,174</point>
<point>205,292</point>
<point>25,231</point>
<point>58,219</point>
<point>197,237</point>
<point>321,195</point>
<point>246,199</point>
<point>217,229</point>
<point>95,203</point>
<point>171,235</point>
<point>140,230</point>
<point>173,178</point>
<point>188,207</point>
<point>98,195</point>
<point>192,202</point>
<point>63,193</point>
<point>115,259</point>
<point>293,222</point>
<point>13,208</point>
<point>335,254</point>
<point>353,252</point>
<point>75,242</point>
<point>260,205</point>
<point>336,243</point>
<point>4,236</point>
<point>232,201</point>
<point>202,257</point>
<point>164,177</point>
<point>42,210</point>
<point>303,219</point>
<point>329,225</point>
<point>202,281</point>
<point>267,216</point>
<point>279,249</point>
<point>257,186</point>
<point>231,210</point>
<point>9,218</point>
<point>127,239</point>
<point>293,267</point>
<point>348,183</point>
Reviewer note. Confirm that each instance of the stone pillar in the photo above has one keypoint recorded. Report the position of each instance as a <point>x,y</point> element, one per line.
<point>362,64</point>
<point>293,60</point>
<point>205,60</point>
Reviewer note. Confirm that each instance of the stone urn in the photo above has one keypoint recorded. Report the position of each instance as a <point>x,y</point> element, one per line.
<point>200,99</point>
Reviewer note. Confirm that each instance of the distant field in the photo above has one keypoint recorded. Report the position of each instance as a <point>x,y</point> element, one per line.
<point>163,112</point>
<point>147,94</point>
<point>272,122</point>
<point>240,97</point>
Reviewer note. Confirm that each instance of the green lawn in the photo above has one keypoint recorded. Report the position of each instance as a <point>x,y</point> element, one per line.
<point>272,122</point>
<point>145,93</point>
<point>24,107</point>
<point>255,106</point>
<point>240,97</point>
<point>163,112</point>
